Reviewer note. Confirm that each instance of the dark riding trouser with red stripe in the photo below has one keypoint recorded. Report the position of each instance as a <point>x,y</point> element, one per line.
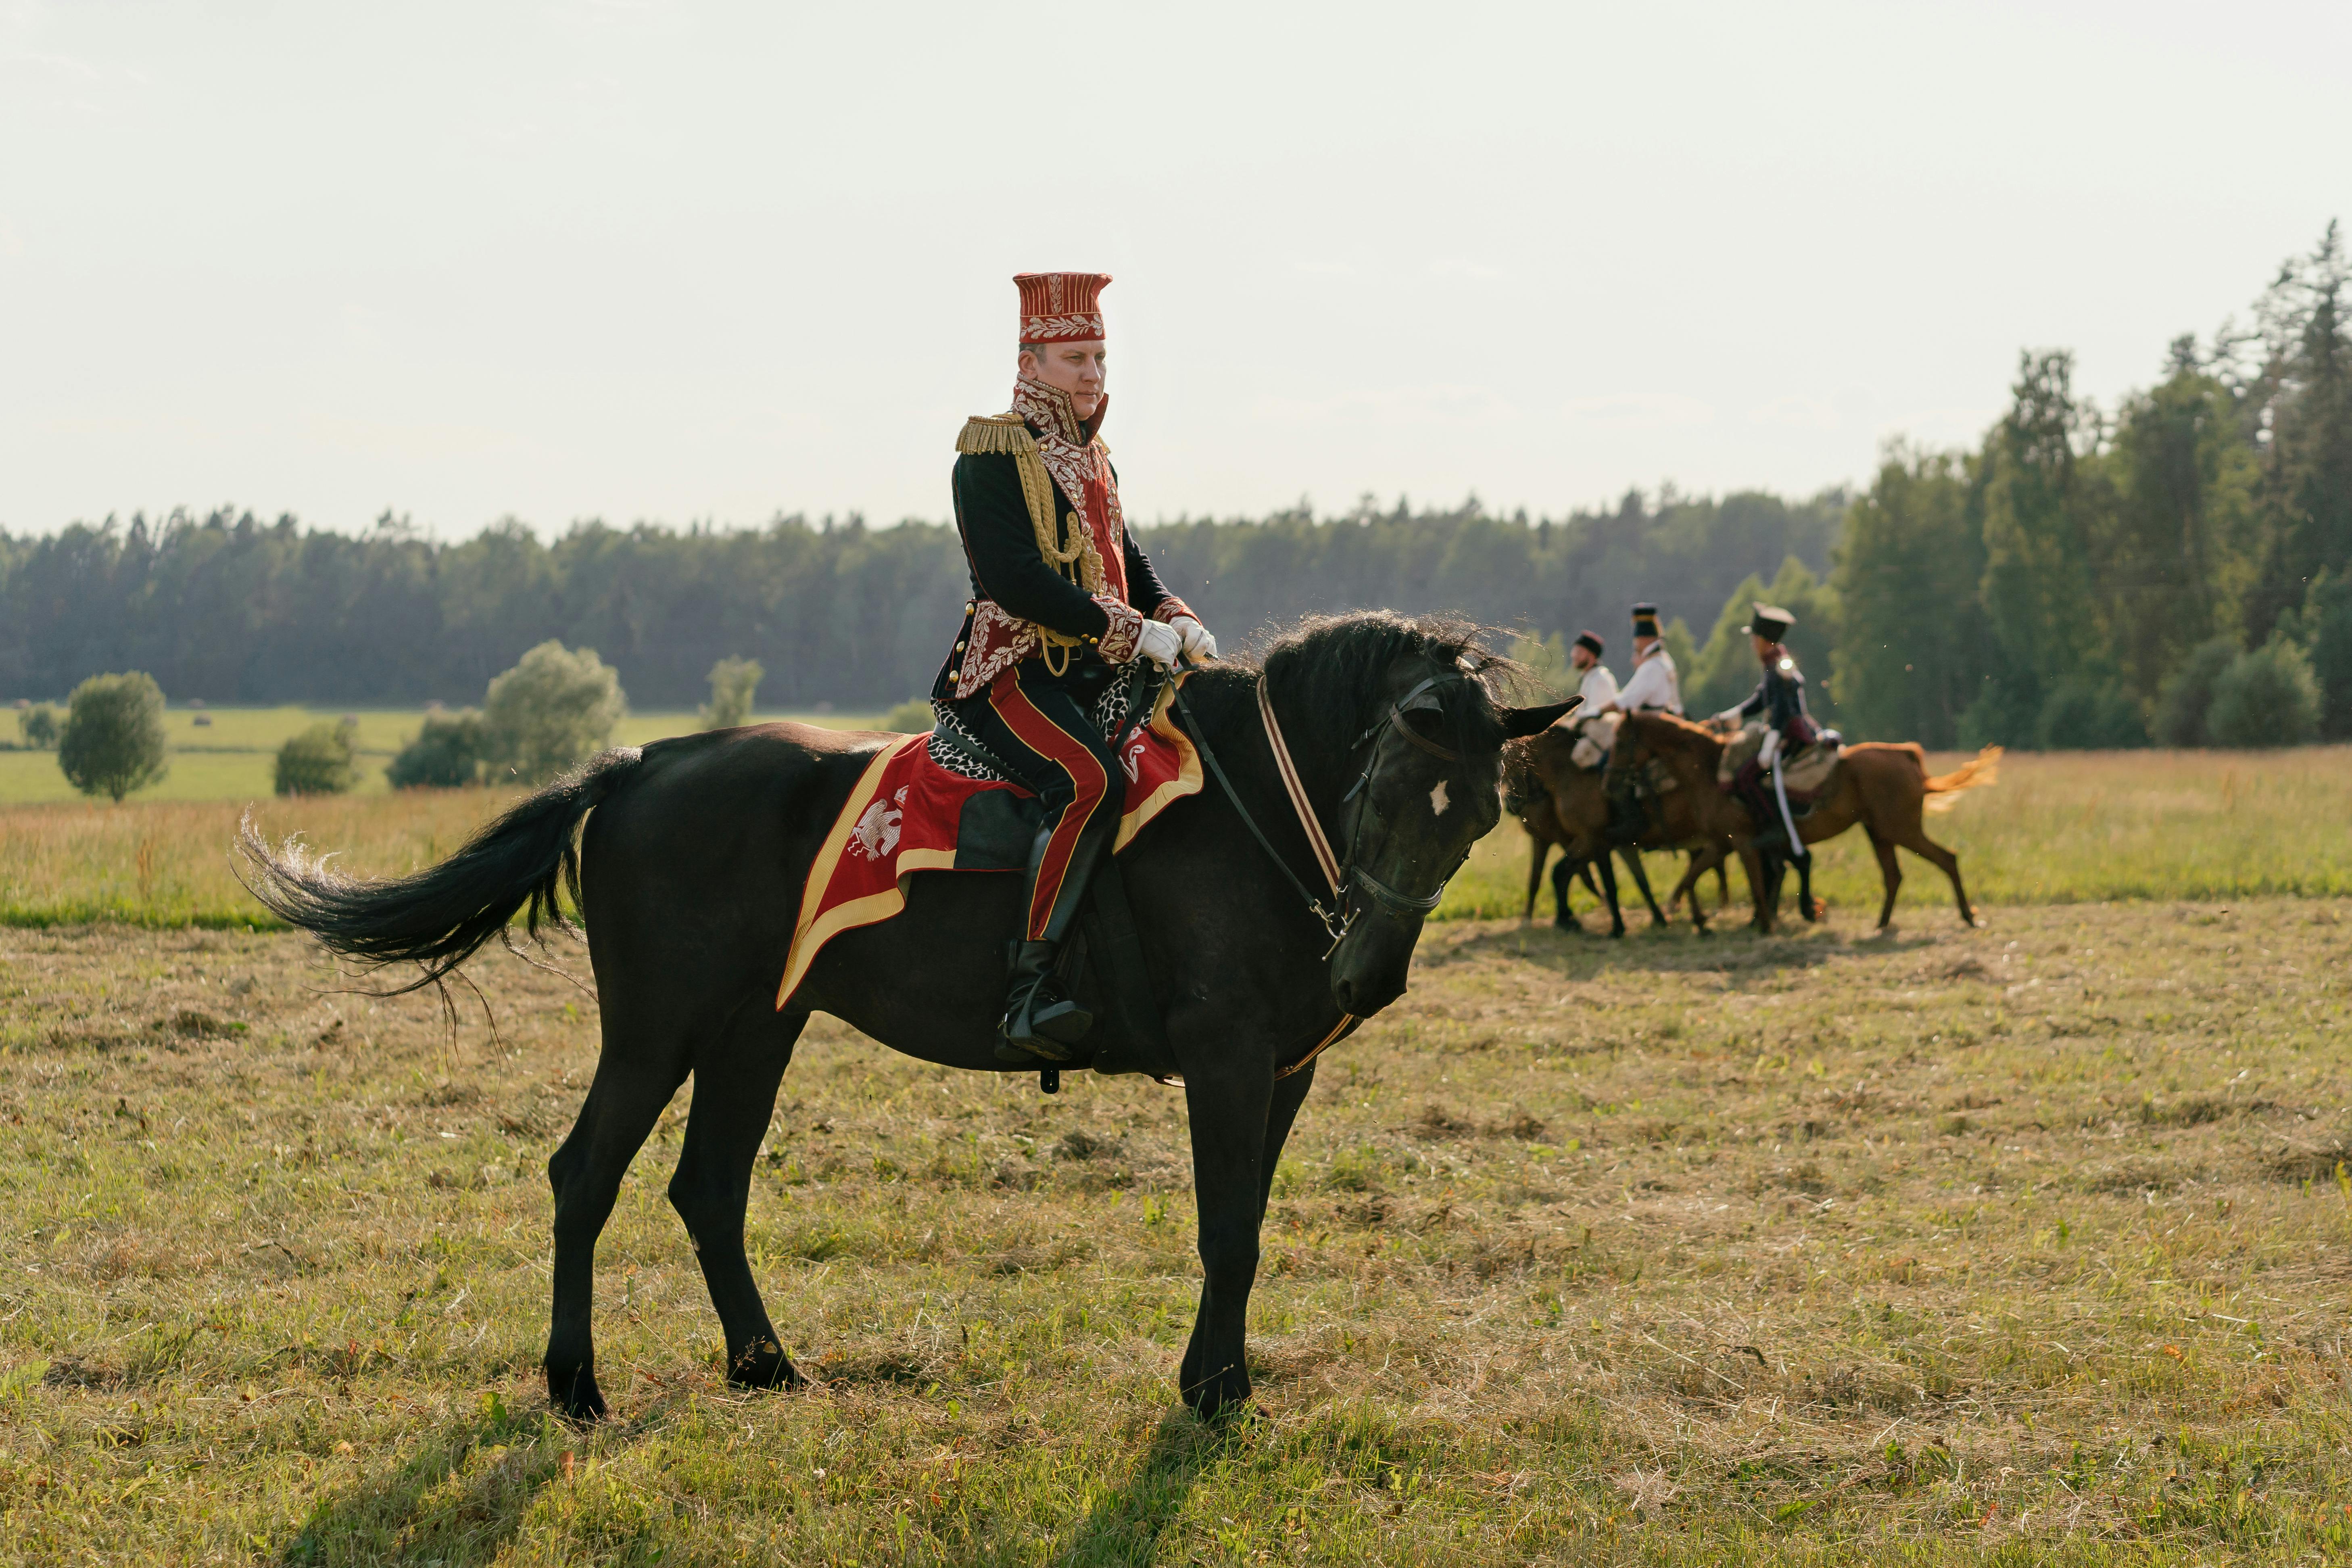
<point>1042,726</point>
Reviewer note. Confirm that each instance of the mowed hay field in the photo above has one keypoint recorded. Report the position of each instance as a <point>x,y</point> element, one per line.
<point>2069,828</point>
<point>2030,1244</point>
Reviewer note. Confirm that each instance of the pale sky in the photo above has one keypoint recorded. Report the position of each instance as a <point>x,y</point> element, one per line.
<point>636,259</point>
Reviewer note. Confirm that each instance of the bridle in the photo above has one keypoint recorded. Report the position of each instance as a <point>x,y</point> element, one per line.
<point>1337,917</point>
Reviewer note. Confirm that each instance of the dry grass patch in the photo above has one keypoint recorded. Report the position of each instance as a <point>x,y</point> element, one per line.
<point>2028,1244</point>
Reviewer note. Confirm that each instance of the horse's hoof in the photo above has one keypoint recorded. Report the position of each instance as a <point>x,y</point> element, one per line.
<point>575,1396</point>
<point>764,1365</point>
<point>1222,1398</point>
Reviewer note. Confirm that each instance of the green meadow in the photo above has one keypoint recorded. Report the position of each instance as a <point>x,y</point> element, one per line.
<point>2069,828</point>
<point>2059,828</point>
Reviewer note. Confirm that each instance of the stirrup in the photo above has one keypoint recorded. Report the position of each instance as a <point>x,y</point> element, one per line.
<point>1039,1028</point>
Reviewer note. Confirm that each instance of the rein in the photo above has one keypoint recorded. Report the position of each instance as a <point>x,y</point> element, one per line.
<point>1339,916</point>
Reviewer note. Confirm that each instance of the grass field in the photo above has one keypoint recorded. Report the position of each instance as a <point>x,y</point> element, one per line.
<point>232,757</point>
<point>2024,1245</point>
<point>2066,827</point>
<point>2057,829</point>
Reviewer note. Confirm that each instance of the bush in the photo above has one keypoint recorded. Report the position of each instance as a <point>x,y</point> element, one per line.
<point>553,709</point>
<point>2187,692</point>
<point>446,754</point>
<point>2266,697</point>
<point>38,726</point>
<point>913,717</point>
<point>732,682</point>
<point>1996,717</point>
<point>112,739</point>
<point>2328,622</point>
<point>318,761</point>
<point>2083,715</point>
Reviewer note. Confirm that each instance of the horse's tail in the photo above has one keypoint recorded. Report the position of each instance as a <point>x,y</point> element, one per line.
<point>1984,768</point>
<point>437,918</point>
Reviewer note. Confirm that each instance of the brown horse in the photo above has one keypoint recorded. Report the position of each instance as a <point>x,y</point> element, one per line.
<point>1559,803</point>
<point>1882,786</point>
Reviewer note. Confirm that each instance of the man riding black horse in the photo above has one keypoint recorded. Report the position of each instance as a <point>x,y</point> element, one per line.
<point>1062,600</point>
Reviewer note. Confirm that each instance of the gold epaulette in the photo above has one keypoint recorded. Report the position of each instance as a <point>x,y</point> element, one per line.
<point>986,432</point>
<point>1009,434</point>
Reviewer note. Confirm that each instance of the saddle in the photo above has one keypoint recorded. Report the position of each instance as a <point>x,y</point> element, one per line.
<point>1806,773</point>
<point>1809,773</point>
<point>942,802</point>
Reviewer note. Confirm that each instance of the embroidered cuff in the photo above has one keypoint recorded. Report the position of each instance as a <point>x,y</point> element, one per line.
<point>1120,639</point>
<point>1171,607</point>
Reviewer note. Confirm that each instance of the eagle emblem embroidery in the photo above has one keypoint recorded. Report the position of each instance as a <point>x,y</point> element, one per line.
<point>876,833</point>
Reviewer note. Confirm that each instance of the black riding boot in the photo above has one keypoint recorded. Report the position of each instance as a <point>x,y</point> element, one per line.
<point>1041,1020</point>
<point>1770,837</point>
<point>1626,818</point>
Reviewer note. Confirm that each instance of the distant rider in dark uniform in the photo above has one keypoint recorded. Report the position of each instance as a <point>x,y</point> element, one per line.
<point>1774,726</point>
<point>1062,602</point>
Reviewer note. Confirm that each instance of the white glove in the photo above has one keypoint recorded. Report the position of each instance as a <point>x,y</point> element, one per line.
<point>1726,718</point>
<point>1198,643</point>
<point>1159,642</point>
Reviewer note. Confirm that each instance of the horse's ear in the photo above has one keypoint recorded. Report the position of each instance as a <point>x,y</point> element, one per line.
<point>1518,721</point>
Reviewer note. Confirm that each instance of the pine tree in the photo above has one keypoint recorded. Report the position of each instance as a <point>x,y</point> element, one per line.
<point>2299,408</point>
<point>2042,509</point>
<point>2179,558</point>
<point>1911,654</point>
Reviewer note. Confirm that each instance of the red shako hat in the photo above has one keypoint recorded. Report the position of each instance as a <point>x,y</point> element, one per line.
<point>1061,307</point>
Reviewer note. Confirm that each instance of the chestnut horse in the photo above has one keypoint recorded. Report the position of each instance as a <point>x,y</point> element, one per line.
<point>1559,803</point>
<point>1881,785</point>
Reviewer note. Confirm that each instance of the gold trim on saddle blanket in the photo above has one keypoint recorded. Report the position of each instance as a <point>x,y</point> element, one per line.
<point>814,930</point>
<point>1187,771</point>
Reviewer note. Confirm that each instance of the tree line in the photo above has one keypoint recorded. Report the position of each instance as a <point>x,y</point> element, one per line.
<point>230,608</point>
<point>2177,568</point>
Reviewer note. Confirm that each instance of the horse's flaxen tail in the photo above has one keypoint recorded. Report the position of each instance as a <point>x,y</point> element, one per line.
<point>1984,768</point>
<point>437,918</point>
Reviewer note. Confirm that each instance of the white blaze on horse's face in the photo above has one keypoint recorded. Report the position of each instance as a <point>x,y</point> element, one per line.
<point>1437,801</point>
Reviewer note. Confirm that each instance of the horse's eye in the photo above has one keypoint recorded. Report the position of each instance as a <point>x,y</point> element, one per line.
<point>1425,722</point>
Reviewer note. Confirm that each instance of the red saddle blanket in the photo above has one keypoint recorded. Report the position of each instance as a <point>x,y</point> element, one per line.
<point>908,813</point>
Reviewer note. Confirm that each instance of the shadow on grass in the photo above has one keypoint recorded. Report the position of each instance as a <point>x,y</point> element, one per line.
<point>1675,951</point>
<point>1125,1527</point>
<point>458,1501</point>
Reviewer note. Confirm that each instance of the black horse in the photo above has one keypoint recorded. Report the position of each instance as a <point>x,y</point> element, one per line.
<point>688,877</point>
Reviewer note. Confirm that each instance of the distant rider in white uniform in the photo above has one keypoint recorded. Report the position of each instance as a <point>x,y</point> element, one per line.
<point>1595,727</point>
<point>1654,686</point>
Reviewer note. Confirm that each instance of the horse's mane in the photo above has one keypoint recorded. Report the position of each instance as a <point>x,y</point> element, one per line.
<point>1328,674</point>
